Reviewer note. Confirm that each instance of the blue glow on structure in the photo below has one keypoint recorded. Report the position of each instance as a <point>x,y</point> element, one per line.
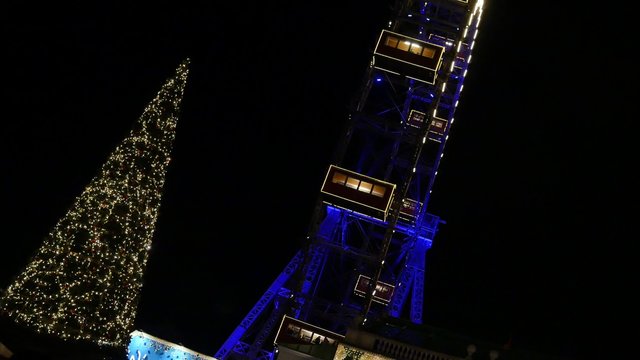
<point>425,230</point>
<point>146,347</point>
<point>378,79</point>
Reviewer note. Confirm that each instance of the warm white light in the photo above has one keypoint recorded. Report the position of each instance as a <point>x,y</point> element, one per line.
<point>69,290</point>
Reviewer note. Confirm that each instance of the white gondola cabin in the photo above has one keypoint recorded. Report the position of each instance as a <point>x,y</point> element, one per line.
<point>360,193</point>
<point>408,56</point>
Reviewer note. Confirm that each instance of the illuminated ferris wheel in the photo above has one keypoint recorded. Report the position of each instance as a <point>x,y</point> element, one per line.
<point>364,255</point>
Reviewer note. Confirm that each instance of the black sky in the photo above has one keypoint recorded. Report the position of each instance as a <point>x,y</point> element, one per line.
<point>529,185</point>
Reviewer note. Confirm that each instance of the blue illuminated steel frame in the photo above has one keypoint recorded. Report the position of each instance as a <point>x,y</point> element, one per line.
<point>389,244</point>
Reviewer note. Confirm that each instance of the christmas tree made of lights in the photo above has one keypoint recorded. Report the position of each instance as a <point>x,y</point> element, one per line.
<point>84,281</point>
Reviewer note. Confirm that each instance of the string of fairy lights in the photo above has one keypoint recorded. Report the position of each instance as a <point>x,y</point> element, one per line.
<point>84,281</point>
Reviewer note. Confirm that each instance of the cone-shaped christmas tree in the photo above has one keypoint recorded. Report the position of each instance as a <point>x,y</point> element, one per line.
<point>84,281</point>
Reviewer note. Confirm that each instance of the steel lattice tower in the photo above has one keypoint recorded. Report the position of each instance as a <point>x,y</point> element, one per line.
<point>371,225</point>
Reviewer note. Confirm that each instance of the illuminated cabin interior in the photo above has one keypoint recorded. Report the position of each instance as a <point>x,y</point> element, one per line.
<point>410,209</point>
<point>408,56</point>
<point>437,126</point>
<point>382,295</point>
<point>296,336</point>
<point>416,118</point>
<point>360,193</point>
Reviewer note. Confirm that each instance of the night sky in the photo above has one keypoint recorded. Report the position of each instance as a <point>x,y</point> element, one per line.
<point>529,184</point>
